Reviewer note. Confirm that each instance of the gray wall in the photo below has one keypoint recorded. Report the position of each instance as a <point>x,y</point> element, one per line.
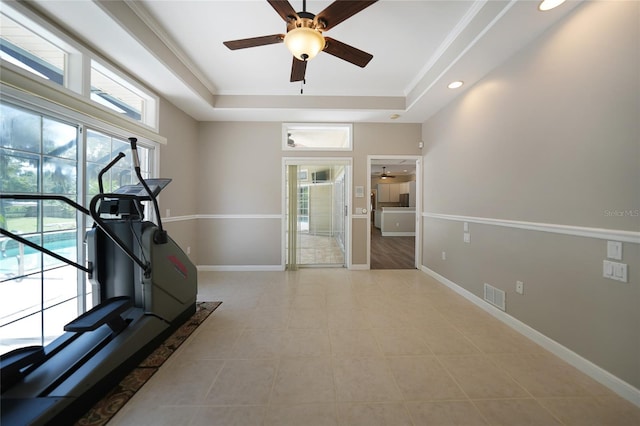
<point>240,183</point>
<point>177,158</point>
<point>550,137</point>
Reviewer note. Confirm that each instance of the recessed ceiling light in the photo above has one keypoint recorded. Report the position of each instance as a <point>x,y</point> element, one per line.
<point>455,84</point>
<point>549,4</point>
<point>394,116</point>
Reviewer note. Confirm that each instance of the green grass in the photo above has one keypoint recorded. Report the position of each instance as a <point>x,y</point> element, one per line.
<point>29,224</point>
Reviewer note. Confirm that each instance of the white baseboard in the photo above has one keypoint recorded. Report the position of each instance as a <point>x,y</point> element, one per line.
<point>620,387</point>
<point>398,234</point>
<point>359,267</point>
<point>238,268</point>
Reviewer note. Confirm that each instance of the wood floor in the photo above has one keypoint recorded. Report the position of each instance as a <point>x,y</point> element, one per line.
<point>391,252</point>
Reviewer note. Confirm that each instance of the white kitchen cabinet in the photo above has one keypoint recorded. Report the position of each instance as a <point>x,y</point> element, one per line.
<point>394,192</point>
<point>390,192</point>
<point>383,193</point>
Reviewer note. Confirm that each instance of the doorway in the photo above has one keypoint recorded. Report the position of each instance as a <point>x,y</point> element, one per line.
<point>394,223</point>
<point>316,222</point>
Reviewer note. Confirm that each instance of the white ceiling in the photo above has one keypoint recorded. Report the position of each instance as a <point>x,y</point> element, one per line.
<point>418,47</point>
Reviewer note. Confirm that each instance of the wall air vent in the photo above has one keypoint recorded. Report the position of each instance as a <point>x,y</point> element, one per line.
<point>495,296</point>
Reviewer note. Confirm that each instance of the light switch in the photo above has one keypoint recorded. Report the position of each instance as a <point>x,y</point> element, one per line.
<point>466,227</point>
<point>607,269</point>
<point>467,237</point>
<point>614,250</point>
<point>620,272</point>
<point>614,270</point>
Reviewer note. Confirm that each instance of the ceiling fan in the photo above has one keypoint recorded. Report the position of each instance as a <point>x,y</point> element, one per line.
<point>384,174</point>
<point>304,37</point>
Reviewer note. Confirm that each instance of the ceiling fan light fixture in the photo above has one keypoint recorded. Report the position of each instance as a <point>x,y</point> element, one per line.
<point>304,43</point>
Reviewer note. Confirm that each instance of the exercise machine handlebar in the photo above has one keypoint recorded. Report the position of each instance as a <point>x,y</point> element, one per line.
<point>160,236</point>
<point>106,168</point>
<point>35,246</point>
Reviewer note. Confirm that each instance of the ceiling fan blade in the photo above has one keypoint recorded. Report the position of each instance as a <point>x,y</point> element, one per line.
<point>254,41</point>
<point>284,9</point>
<point>340,10</point>
<point>346,52</point>
<point>298,69</point>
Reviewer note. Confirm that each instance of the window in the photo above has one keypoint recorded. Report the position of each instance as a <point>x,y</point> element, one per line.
<point>27,50</point>
<point>38,293</point>
<point>317,137</point>
<point>116,93</point>
<point>101,149</point>
<point>44,141</point>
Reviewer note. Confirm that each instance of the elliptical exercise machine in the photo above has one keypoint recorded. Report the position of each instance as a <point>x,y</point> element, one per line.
<point>144,287</point>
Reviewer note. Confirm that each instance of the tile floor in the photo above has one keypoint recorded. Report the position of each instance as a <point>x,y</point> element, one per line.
<point>339,347</point>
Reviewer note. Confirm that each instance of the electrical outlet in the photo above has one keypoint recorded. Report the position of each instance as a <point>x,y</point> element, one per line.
<point>168,213</point>
<point>444,255</point>
<point>467,237</point>
<point>188,249</point>
<point>519,287</point>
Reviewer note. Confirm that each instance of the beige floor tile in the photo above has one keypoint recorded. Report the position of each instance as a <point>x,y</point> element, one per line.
<point>183,381</point>
<point>260,343</point>
<point>445,413</point>
<point>515,412</point>
<point>243,382</point>
<point>250,415</point>
<point>480,378</point>
<point>308,318</point>
<point>306,348</point>
<point>446,340</point>
<point>342,318</point>
<point>593,411</point>
<point>214,343</point>
<point>309,301</point>
<point>303,380</point>
<point>306,343</point>
<point>227,318</point>
<point>140,415</point>
<point>272,317</point>
<point>303,414</point>
<point>544,375</point>
<point>495,339</point>
<point>342,300</point>
<point>423,379</point>
<point>354,343</point>
<point>401,341</point>
<point>364,380</point>
<point>380,414</point>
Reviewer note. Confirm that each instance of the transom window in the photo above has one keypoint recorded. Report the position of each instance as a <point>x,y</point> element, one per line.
<point>29,51</point>
<point>317,137</point>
